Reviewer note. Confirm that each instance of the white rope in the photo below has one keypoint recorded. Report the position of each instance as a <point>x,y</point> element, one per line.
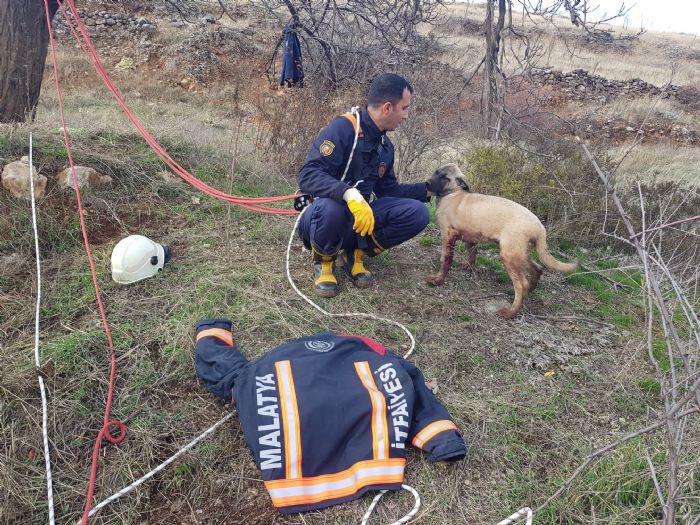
<point>408,517</point>
<point>37,360</point>
<point>355,110</point>
<point>349,314</point>
<point>160,467</point>
<point>515,517</point>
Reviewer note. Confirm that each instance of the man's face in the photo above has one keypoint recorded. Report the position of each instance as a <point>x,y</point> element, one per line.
<point>398,112</point>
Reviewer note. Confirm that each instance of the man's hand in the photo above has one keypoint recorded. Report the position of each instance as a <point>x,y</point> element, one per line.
<point>360,209</point>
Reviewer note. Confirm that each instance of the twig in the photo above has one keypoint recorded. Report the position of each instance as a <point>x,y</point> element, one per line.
<point>608,448</point>
<point>587,269</point>
<point>688,219</point>
<point>655,479</point>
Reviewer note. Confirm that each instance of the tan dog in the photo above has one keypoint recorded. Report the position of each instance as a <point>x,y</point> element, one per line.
<point>476,218</point>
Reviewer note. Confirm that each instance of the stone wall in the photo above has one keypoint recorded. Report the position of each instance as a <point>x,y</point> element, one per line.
<point>580,84</point>
<point>106,23</point>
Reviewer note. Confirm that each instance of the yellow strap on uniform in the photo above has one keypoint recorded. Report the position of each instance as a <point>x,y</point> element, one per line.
<point>353,121</point>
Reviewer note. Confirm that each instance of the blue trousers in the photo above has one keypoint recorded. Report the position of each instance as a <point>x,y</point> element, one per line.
<point>327,225</point>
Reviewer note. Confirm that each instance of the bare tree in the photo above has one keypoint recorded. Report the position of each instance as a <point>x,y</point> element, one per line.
<point>24,39</point>
<point>499,29</point>
<point>353,40</point>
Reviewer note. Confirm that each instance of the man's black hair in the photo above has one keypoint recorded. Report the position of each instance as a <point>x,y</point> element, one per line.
<point>387,87</point>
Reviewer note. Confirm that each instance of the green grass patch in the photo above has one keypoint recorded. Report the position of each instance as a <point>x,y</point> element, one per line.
<point>660,353</point>
<point>603,290</point>
<point>613,315</point>
<point>650,384</point>
<point>496,266</point>
<point>425,240</point>
<point>71,351</point>
<point>618,490</point>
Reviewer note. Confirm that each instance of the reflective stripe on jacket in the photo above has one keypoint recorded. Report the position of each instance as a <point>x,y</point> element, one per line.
<point>328,416</point>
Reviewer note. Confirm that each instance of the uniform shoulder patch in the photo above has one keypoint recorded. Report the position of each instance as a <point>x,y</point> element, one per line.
<point>326,148</point>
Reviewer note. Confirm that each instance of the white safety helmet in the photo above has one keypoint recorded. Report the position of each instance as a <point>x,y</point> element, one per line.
<point>137,257</point>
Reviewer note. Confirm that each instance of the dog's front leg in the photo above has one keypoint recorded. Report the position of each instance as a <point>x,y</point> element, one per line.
<point>448,252</point>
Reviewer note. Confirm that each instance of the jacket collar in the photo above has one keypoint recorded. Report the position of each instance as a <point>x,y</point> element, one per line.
<point>369,127</point>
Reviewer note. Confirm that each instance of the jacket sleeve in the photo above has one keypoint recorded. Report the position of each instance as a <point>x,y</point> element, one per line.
<point>432,430</point>
<point>217,360</point>
<point>389,186</point>
<point>320,175</point>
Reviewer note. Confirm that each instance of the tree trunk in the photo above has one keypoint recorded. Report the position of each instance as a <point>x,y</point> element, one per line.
<point>493,98</point>
<point>24,42</point>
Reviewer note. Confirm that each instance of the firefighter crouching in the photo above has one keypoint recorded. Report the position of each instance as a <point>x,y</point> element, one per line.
<point>342,224</point>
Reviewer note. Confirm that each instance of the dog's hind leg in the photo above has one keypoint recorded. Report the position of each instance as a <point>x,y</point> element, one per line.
<point>448,251</point>
<point>534,274</point>
<point>517,267</point>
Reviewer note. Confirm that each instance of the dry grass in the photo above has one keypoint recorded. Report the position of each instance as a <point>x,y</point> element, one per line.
<point>526,430</point>
<point>659,162</point>
<point>656,57</point>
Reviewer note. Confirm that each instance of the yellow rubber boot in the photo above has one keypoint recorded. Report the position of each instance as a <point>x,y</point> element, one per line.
<point>355,268</point>
<point>324,279</point>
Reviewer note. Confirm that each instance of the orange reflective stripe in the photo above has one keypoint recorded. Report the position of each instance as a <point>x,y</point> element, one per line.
<point>353,121</point>
<point>380,432</point>
<point>219,333</point>
<point>332,486</point>
<point>432,430</point>
<point>290,419</point>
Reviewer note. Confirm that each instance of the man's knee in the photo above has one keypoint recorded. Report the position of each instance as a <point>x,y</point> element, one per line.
<point>422,216</point>
<point>323,225</point>
<point>415,216</point>
<point>328,210</point>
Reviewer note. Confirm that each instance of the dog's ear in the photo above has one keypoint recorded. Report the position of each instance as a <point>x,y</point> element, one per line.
<point>463,184</point>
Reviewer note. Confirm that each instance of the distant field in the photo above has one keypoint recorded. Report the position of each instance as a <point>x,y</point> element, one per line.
<point>656,57</point>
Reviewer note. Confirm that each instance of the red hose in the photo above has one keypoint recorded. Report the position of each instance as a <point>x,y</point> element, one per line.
<point>250,203</point>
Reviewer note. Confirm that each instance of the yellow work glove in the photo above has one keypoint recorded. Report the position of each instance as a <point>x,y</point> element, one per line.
<point>360,209</point>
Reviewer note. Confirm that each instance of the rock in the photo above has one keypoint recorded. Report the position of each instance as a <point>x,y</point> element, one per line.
<point>125,64</point>
<point>15,179</point>
<point>86,177</point>
<point>12,264</point>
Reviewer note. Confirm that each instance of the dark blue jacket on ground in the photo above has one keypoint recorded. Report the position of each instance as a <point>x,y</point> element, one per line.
<point>371,170</point>
<point>327,416</point>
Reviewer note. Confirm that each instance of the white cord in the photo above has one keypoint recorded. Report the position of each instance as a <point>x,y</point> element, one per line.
<point>160,467</point>
<point>355,110</point>
<point>37,360</point>
<point>408,517</point>
<point>351,314</point>
<point>515,517</point>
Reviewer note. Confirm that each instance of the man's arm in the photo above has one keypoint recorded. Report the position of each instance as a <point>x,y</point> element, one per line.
<point>389,186</point>
<point>326,161</point>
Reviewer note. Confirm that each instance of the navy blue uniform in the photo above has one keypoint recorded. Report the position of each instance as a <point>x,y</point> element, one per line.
<point>398,211</point>
<point>328,416</point>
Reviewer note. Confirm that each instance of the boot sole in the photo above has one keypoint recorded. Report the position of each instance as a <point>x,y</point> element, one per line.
<point>358,283</point>
<point>362,283</point>
<point>327,293</point>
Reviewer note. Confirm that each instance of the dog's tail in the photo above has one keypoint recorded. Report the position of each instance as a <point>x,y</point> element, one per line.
<point>547,259</point>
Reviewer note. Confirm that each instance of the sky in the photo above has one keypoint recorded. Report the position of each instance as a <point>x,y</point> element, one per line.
<point>655,15</point>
